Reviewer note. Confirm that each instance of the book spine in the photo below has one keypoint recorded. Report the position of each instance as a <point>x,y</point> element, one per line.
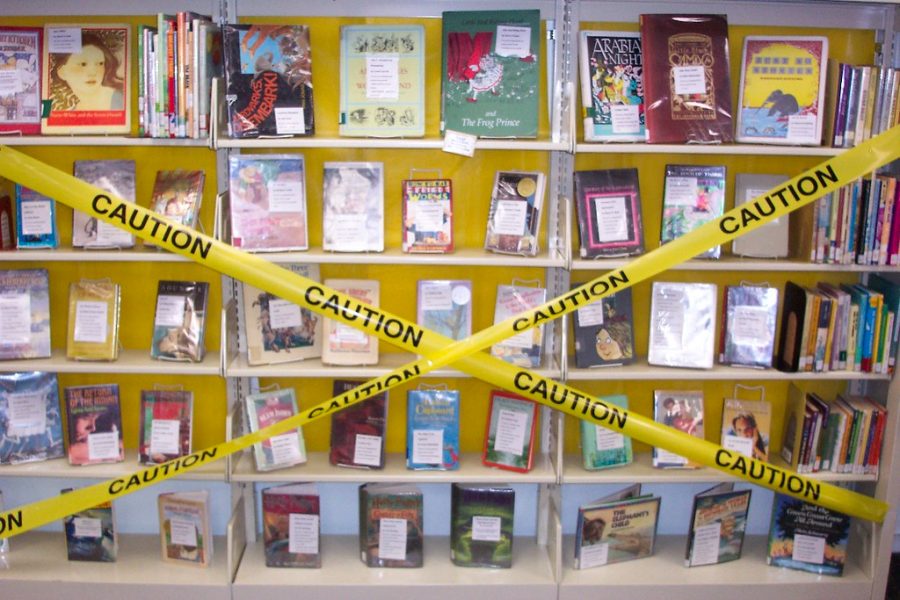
<point>142,89</point>
<point>853,95</point>
<point>865,83</point>
<point>841,102</point>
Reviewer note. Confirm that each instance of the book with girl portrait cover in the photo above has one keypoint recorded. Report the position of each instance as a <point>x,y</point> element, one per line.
<point>31,427</point>
<point>117,177</point>
<point>91,534</point>
<point>166,422</point>
<point>20,69</point>
<point>683,410</point>
<point>93,324</point>
<point>291,526</point>
<point>608,202</point>
<point>718,523</point>
<point>24,314</point>
<point>604,331</point>
<point>184,528</point>
<point>353,207</point>
<point>94,417</point>
<point>180,321</point>
<point>611,68</point>
<point>35,220</point>
<point>357,432</point>
<point>279,451</point>
<point>427,216</point>
<point>616,528</point>
<point>746,427</point>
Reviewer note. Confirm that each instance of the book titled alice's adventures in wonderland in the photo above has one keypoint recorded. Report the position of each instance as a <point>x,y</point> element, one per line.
<point>24,313</point>
<point>268,80</point>
<point>20,71</point>
<point>682,325</point>
<point>481,525</point>
<point>357,432</point>
<point>94,416</point>
<point>609,213</point>
<point>382,80</point>
<point>427,216</point>
<point>166,421</point>
<point>346,345</point>
<point>93,328</point>
<point>35,220</point>
<point>616,528</point>
<point>353,207</point>
<point>291,526</point>
<point>180,321</point>
<point>30,418</point>
<point>91,533</point>
<point>432,429</point>
<point>604,331</point>
<point>602,447</point>
<point>510,434</point>
<point>117,177</point>
<point>391,532</point>
<point>683,410</point>
<point>514,217</point>
<point>718,522</point>
<point>177,195</point>
<point>748,328</point>
<point>525,348</point>
<point>279,451</point>
<point>807,537</point>
<point>445,306</point>
<point>611,69</point>
<point>694,195</point>
<point>184,528</point>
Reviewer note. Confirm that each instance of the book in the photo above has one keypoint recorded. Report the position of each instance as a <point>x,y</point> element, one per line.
<point>93,325</point>
<point>807,537</point>
<point>524,349</point>
<point>432,429</point>
<point>427,216</point>
<point>291,525</point>
<point>184,530</point>
<point>718,523</point>
<point>30,418</point>
<point>7,212</point>
<point>616,528</point>
<point>35,220</point>
<point>178,194</point>
<point>514,217</point>
<point>24,314</point>
<point>345,345</point>
<point>608,202</point>
<point>687,84</point>
<point>490,72</point>
<point>391,532</point>
<point>382,80</point>
<point>358,431</point>
<point>166,422</point>
<point>891,292</point>
<point>268,80</point>
<point>179,323</point>
<point>611,72</point>
<point>4,543</point>
<point>91,534</point>
<point>86,78</point>
<point>694,195</point>
<point>20,96</point>
<point>790,338</point>
<point>277,330</point>
<point>604,331</point>
<point>602,447</point>
<point>267,202</point>
<point>116,177</point>
<point>353,207</point>
<point>782,90</point>
<point>683,410</point>
<point>682,325</point>
<point>748,326</point>
<point>94,418</point>
<point>745,427</point>
<point>771,239</point>
<point>481,525</point>
<point>510,435</point>
<point>444,306</point>
<point>266,408</point>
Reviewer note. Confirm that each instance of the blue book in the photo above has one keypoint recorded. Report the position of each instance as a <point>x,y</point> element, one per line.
<point>807,537</point>
<point>30,418</point>
<point>432,429</point>
<point>35,220</point>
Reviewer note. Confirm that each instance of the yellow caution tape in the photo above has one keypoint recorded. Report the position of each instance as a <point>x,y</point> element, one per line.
<point>797,192</point>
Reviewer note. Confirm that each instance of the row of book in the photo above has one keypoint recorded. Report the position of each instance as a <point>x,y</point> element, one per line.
<point>865,102</point>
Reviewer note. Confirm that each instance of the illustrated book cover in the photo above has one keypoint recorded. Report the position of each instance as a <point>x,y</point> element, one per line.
<point>93,324</point>
<point>514,217</point>
<point>391,532</point>
<point>345,345</point>
<point>35,220</point>
<point>525,348</point>
<point>91,533</point>
<point>612,91</point>
<point>748,326</point>
<point>178,194</point>
<point>279,451</point>
<point>184,528</point>
<point>682,325</point>
<point>694,195</point>
<point>616,528</point>
<point>771,239</point>
<point>511,432</point>
<point>166,422</point>
<point>718,523</point>
<point>291,525</point>
<point>24,314</point>
<point>604,331</point>
<point>746,426</point>
<point>179,323</point>
<point>602,448</point>
<point>94,417</point>
<point>432,429</point>
<point>683,410</point>
<point>427,216</point>
<point>807,537</point>
<point>116,177</point>
<point>444,306</point>
<point>357,432</point>
<point>608,203</point>
<point>20,70</point>
<point>31,427</point>
<point>353,207</point>
<point>481,525</point>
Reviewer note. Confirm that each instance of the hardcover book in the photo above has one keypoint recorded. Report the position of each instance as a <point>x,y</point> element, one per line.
<point>116,177</point>
<point>291,526</point>
<point>523,349</point>
<point>345,345</point>
<point>807,537</point>
<point>682,410</point>
<point>391,532</point>
<point>91,533</point>
<point>718,522</point>
<point>694,195</point>
<point>93,327</point>
<point>20,65</point>
<point>791,349</point>
<point>180,321</point>
<point>267,196</point>
<point>481,525</point>
<point>427,216</point>
<point>682,325</point>
<point>745,427</point>
<point>30,418</point>
<point>445,306</point>
<point>511,432</point>
<point>94,418</point>
<point>279,451</point>
<point>748,329</point>
<point>7,211</point>
<point>24,314</point>
<point>4,543</point>
<point>616,528</point>
<point>178,194</point>
<point>184,530</point>
<point>687,84</point>
<point>432,429</point>
<point>491,72</point>
<point>382,80</point>
<point>609,213</point>
<point>353,207</point>
<point>358,431</point>
<point>604,331</point>
<point>35,220</point>
<point>602,448</point>
<point>268,80</point>
<point>611,69</point>
<point>771,239</point>
<point>514,217</point>
<point>86,78</point>
<point>165,425</point>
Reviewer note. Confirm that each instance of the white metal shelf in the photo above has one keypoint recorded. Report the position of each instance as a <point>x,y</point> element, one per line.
<point>395,256</point>
<point>718,149</point>
<point>130,362</point>
<point>100,140</point>
<point>69,254</point>
<point>736,263</point>
<point>60,468</point>
<point>349,143</point>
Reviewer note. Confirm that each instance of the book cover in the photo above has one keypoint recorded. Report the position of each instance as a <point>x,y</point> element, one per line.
<point>616,528</point>
<point>793,311</point>
<point>391,532</point>
<point>94,418</point>
<point>91,533</point>
<point>782,91</point>
<point>184,530</point>
<point>481,525</point>
<point>604,331</point>
<point>268,80</point>
<point>718,523</point>
<point>510,435</point>
<point>279,451</point>
<point>353,207</point>
<point>30,418</point>
<point>345,345</point>
<point>358,431</point>
<point>177,195</point>
<point>166,422</point>
<point>770,240</point>
<point>694,195</point>
<point>20,65</point>
<point>427,216</point>
<point>490,72</point>
<point>514,217</point>
<point>746,425</point>
<point>444,306</point>
<point>291,526</point>
<point>7,212</point>
<point>682,325</point>
<point>24,314</point>
<point>687,83</point>
<point>602,448</point>
<point>93,325</point>
<point>382,80</point>
<point>432,429</point>
<point>807,537</point>
<point>683,410</point>
<point>116,177</point>
<point>267,195</point>
<point>612,91</point>
<point>608,203</point>
<point>86,78</point>
<point>180,321</point>
<point>748,328</point>
<point>35,220</point>
<point>523,349</point>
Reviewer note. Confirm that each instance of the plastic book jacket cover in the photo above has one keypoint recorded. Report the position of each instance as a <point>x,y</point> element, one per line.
<point>511,432</point>
<point>694,195</point>
<point>608,203</point>
<point>184,529</point>
<point>604,331</point>
<point>683,410</point>
<point>514,217</point>
<point>165,425</point>
<point>94,417</point>
<point>523,349</point>
<point>87,78</point>
<point>491,71</point>
<point>268,80</point>
<point>616,528</point>
<point>30,418</point>
<point>612,71</point>
<point>116,177</point>
<point>35,220</point>
<point>24,314</point>
<point>770,240</point>
<point>481,525</point>
<point>20,65</point>
<point>682,325</point>
<point>7,212</point>
<point>444,306</point>
<point>718,522</point>
<point>91,533</point>
<point>357,432</point>
<point>93,324</point>
<point>746,425</point>
<point>782,90</point>
<point>345,345</point>
<point>382,80</point>
<point>601,447</point>
<point>432,429</point>
<point>353,207</point>
<point>177,195</point>
<point>279,451</point>
<point>391,532</point>
<point>267,196</point>
<point>748,332</point>
<point>427,216</point>
<point>807,537</point>
<point>180,321</point>
<point>291,526</point>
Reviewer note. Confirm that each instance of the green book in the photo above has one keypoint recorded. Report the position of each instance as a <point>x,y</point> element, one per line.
<point>602,448</point>
<point>481,525</point>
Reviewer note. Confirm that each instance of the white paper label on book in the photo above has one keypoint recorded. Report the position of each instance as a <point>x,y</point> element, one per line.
<point>183,532</point>
<point>344,334</point>
<point>485,529</point>
<point>751,193</point>
<point>612,218</point>
<point>286,448</point>
<point>392,539</point>
<point>509,217</point>
<point>750,325</point>
<point>382,77</point>
<point>9,82</point>
<point>348,232</point>
<point>665,457</point>
<point>86,527</point>
<point>513,41</point>
<point>367,450</point>
<point>681,191</point>
<point>705,550</point>
<point>284,314</point>
<point>103,445</point>
<point>289,119</point>
<point>457,142</point>
<point>15,318</point>
<point>91,321</point>
<point>170,310</point>
<point>801,128</point>
<point>64,40</point>
<point>689,80</point>
<point>738,444</point>
<point>626,118</point>
<point>428,446</point>
<point>36,215</point>
<point>285,196</point>
<point>164,436</point>
<point>26,413</point>
<point>605,439</point>
<point>522,340</point>
<point>594,556</point>
<point>303,534</point>
<point>669,322</point>
<point>591,315</point>
<point>110,235</point>
<point>809,549</point>
<point>437,296</point>
<point>512,427</point>
<point>429,216</point>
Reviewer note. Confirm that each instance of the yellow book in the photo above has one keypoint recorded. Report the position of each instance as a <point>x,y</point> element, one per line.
<point>93,328</point>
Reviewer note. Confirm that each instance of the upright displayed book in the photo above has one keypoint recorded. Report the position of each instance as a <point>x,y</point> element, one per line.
<point>616,528</point>
<point>391,532</point>
<point>184,529</point>
<point>694,195</point>
<point>791,349</point>
<point>166,423</point>
<point>682,325</point>
<point>604,331</point>
<point>490,72</point>
<point>609,213</point>
<point>601,447</point>
<point>20,57</point>
<point>180,321</point>
<point>525,348</point>
<point>358,431</point>
<point>86,78</point>
<point>746,425</point>
<point>93,325</point>
<point>177,195</point>
<point>611,71</point>
<point>687,83</point>
<point>807,537</point>
<point>771,239</point>
<point>116,177</point>
<point>748,328</point>
<point>481,525</point>
<point>432,429</point>
<point>94,417</point>
<point>782,91</point>
<point>683,410</point>
<point>291,525</point>
<point>268,80</point>
<point>345,345</point>
<point>444,306</point>
<point>91,534</point>
<point>30,418</point>
<point>35,220</point>
<point>427,216</point>
<point>514,217</point>
<point>510,436</point>
<point>353,207</point>
<point>24,314</point>
<point>718,523</point>
<point>382,80</point>
<point>279,451</point>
